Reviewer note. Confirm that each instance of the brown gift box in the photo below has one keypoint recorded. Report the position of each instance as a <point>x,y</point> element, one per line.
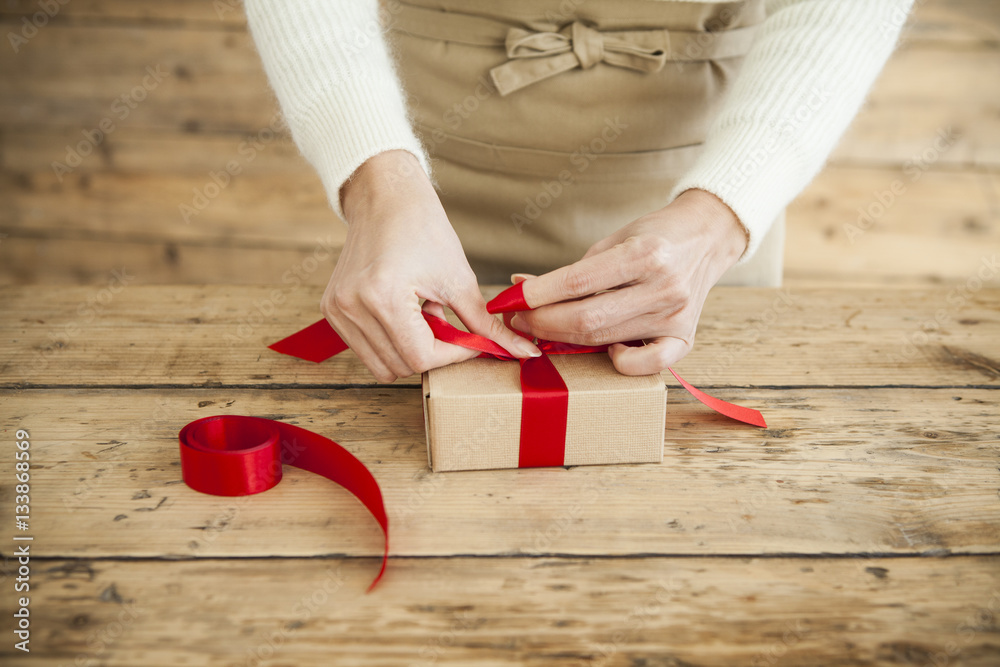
<point>472,412</point>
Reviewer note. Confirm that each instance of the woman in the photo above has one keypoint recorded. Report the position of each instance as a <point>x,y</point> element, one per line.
<point>626,155</point>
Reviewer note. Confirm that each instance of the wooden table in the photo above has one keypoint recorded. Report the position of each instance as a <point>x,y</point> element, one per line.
<point>862,527</point>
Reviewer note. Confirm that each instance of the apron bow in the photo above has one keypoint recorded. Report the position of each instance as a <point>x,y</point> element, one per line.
<point>534,56</point>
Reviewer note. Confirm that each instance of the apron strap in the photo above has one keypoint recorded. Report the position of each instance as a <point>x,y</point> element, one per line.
<point>536,55</point>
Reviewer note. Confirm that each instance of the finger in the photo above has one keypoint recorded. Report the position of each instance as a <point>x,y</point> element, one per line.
<point>606,243</point>
<point>380,323</point>
<point>651,358</point>
<point>416,345</point>
<point>587,276</point>
<point>471,309</point>
<point>412,339</point>
<point>435,309</point>
<point>357,341</point>
<point>621,314</point>
<point>446,353</point>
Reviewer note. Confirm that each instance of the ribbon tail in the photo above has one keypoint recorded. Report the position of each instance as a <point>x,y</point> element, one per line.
<point>317,342</point>
<point>510,300</point>
<point>737,412</point>
<point>629,56</point>
<point>231,455</point>
<point>517,73</point>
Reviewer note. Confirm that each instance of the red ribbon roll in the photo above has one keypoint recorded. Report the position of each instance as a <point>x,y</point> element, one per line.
<point>229,455</point>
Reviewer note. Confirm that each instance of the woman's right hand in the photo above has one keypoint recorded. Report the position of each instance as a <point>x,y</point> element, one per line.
<point>401,248</point>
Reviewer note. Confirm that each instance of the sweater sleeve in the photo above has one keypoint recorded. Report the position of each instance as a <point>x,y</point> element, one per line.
<point>333,75</point>
<point>804,79</point>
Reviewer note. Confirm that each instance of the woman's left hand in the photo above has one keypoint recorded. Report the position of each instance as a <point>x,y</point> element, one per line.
<point>648,280</point>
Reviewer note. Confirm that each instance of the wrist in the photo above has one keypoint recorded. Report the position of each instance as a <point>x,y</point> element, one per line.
<point>379,180</point>
<point>729,236</point>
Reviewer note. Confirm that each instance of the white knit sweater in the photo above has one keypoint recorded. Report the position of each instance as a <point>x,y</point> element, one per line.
<point>806,75</point>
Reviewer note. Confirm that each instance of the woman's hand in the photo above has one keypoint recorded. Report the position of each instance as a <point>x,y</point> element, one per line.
<point>649,280</point>
<point>400,248</point>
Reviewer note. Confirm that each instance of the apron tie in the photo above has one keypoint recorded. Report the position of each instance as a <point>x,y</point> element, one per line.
<point>535,56</point>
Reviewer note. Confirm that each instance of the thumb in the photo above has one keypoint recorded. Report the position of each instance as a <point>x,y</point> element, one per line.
<point>655,356</point>
<point>471,309</point>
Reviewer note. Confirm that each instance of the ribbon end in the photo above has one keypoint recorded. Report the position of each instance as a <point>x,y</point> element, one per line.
<point>737,412</point>
<point>317,343</point>
<point>508,301</point>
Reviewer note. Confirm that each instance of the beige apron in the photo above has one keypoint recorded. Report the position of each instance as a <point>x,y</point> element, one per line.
<point>553,123</point>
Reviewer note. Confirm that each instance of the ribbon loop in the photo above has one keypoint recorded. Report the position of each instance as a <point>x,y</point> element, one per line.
<point>534,56</point>
<point>231,455</point>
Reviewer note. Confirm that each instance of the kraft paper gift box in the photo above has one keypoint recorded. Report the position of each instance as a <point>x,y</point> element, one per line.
<point>472,412</point>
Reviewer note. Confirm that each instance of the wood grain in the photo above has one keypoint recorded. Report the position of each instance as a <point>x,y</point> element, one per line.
<point>504,611</point>
<point>216,84</point>
<point>872,226</point>
<point>881,471</point>
<point>212,336</point>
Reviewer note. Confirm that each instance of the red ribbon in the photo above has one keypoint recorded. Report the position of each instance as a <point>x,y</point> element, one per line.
<point>544,396</point>
<point>229,455</point>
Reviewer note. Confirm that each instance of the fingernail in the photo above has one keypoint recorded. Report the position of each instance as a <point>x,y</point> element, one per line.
<point>519,277</point>
<point>529,350</point>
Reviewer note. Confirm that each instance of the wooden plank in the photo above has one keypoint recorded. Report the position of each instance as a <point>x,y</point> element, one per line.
<point>956,22</point>
<point>496,612</point>
<point>210,336</point>
<point>255,210</point>
<point>959,22</point>
<point>204,80</point>
<point>893,226</point>
<point>30,149</point>
<point>82,261</point>
<point>187,13</point>
<point>217,84</point>
<point>839,228</point>
<point>923,91</point>
<point>845,471</point>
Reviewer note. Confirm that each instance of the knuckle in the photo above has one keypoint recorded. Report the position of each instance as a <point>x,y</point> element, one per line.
<point>342,299</point>
<point>384,377</point>
<point>681,293</point>
<point>655,255</point>
<point>417,360</point>
<point>588,321</point>
<point>377,290</point>
<point>599,337</point>
<point>578,283</point>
